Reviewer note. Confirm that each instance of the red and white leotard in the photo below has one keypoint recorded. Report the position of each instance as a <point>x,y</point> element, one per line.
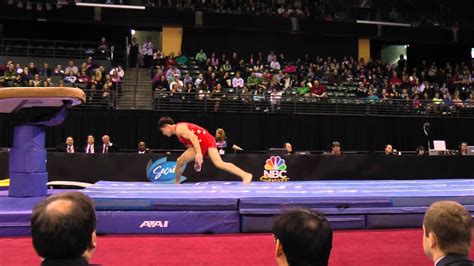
<point>205,139</point>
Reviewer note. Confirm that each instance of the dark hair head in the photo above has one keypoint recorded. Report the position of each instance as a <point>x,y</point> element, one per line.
<point>165,121</point>
<point>306,237</point>
<point>62,225</point>
<point>451,223</point>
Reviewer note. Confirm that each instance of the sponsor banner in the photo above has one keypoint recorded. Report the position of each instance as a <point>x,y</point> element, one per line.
<point>162,171</point>
<point>275,170</point>
<point>91,168</point>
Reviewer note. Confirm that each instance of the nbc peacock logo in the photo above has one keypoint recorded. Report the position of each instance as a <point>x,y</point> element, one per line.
<point>275,170</point>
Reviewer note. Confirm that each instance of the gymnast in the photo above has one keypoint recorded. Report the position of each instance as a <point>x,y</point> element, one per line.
<point>199,143</point>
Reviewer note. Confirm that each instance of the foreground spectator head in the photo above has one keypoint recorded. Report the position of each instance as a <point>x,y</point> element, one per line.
<point>63,228</point>
<point>303,237</point>
<point>447,233</point>
<point>336,148</point>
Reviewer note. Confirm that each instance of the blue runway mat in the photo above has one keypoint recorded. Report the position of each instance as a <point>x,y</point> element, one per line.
<point>230,207</point>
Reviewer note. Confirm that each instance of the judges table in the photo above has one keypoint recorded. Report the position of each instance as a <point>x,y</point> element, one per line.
<point>91,168</point>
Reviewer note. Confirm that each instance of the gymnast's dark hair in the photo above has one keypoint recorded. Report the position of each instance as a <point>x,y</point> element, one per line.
<point>165,121</point>
<point>306,237</point>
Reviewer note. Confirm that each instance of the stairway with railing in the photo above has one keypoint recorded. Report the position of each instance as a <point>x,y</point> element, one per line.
<point>135,92</point>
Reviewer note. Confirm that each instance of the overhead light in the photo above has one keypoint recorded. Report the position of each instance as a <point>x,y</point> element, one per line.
<point>132,32</point>
<point>383,23</point>
<point>111,6</point>
<point>29,5</point>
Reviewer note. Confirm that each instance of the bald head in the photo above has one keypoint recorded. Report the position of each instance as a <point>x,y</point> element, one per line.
<point>60,207</point>
<point>63,226</point>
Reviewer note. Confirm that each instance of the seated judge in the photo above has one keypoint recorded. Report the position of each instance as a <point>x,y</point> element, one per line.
<point>336,148</point>
<point>288,148</point>
<point>142,148</point>
<point>68,146</point>
<point>90,146</point>
<point>107,146</point>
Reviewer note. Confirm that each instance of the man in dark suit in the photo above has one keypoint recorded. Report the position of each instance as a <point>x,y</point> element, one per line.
<point>107,146</point>
<point>447,234</point>
<point>63,229</point>
<point>142,149</point>
<point>68,147</point>
<point>90,146</point>
<point>302,237</point>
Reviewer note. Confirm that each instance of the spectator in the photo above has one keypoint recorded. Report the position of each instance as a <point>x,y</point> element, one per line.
<point>147,52</point>
<point>33,69</point>
<point>463,149</point>
<point>420,151</point>
<point>336,148</point>
<point>275,64</point>
<point>107,146</point>
<point>58,71</point>
<point>389,149</point>
<point>302,237</point>
<point>447,234</point>
<point>63,229</point>
<point>317,90</point>
<point>9,76</point>
<point>238,82</point>
<point>45,72</point>
<point>132,51</point>
<point>71,69</point>
<point>103,48</point>
<point>201,57</point>
<point>160,83</point>
<point>288,148</point>
<point>179,84</point>
<point>142,149</point>
<point>221,141</point>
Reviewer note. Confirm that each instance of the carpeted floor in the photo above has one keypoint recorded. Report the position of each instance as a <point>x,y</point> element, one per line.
<point>363,247</point>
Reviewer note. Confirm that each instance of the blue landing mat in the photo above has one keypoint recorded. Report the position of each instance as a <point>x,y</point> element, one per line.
<point>312,194</point>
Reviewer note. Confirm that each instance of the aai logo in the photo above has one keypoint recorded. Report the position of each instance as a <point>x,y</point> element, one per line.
<point>275,170</point>
<point>161,171</point>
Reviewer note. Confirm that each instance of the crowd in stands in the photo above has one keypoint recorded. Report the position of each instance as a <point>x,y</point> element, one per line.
<point>97,81</point>
<point>427,87</point>
<point>417,14</point>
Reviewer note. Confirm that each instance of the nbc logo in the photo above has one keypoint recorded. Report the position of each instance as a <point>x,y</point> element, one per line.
<point>275,170</point>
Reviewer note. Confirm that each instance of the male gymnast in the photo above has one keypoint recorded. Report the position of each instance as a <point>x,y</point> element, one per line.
<point>199,143</point>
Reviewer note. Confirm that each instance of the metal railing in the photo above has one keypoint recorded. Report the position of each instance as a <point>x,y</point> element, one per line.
<point>265,103</point>
<point>127,96</point>
<point>53,49</point>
